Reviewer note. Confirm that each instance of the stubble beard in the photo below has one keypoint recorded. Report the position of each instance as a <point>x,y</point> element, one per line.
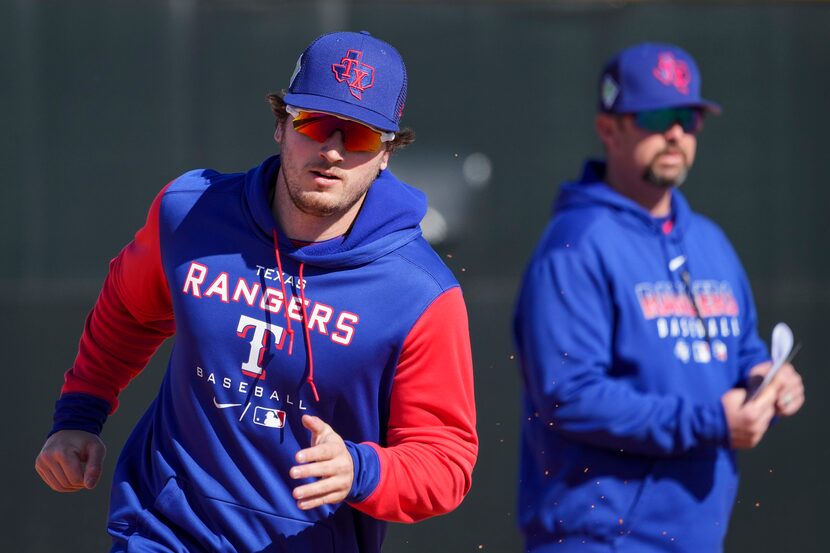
<point>661,180</point>
<point>318,203</point>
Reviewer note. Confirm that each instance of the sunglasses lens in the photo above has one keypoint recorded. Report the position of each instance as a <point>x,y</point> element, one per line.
<point>320,126</point>
<point>360,138</point>
<point>661,120</point>
<point>316,126</point>
<point>694,123</point>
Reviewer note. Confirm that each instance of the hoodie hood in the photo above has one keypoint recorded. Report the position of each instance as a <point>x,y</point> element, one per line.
<point>591,191</point>
<point>389,218</point>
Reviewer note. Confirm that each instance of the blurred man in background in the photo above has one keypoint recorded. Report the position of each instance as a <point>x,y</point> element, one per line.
<point>317,334</point>
<point>636,333</point>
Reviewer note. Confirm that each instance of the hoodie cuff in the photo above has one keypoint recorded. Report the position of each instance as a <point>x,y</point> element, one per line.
<point>366,471</point>
<point>77,411</point>
<point>712,428</point>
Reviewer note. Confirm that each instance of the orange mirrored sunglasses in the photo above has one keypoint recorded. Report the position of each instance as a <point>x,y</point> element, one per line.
<point>319,126</point>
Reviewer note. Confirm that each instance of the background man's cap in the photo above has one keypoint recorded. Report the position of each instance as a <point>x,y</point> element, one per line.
<point>354,75</point>
<point>651,76</point>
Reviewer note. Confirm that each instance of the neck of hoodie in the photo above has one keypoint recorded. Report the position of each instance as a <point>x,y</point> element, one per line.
<point>592,190</point>
<point>388,219</point>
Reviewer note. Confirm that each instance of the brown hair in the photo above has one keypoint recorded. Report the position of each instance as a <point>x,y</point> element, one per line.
<point>403,137</point>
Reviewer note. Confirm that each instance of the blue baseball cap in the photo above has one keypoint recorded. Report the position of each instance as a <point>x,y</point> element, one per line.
<point>651,76</point>
<point>354,75</point>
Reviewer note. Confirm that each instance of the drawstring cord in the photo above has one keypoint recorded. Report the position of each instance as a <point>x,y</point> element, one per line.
<point>310,378</point>
<point>687,284</point>
<point>686,279</point>
<point>284,296</point>
<point>290,331</point>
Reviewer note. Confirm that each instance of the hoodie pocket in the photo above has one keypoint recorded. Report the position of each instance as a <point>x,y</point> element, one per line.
<point>592,492</point>
<point>189,522</point>
<point>171,524</point>
<point>687,499</point>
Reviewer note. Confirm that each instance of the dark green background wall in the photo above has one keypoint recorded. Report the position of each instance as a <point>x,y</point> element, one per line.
<point>103,103</point>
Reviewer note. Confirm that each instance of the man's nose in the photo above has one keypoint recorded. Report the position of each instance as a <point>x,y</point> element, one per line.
<point>675,132</point>
<point>332,150</point>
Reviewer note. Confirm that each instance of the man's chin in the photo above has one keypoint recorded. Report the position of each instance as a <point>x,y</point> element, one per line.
<point>666,179</point>
<point>317,209</point>
<point>316,204</point>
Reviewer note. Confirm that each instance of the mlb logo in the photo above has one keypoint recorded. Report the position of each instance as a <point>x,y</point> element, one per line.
<point>273,418</point>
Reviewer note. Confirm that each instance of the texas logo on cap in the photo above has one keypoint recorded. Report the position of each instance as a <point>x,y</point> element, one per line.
<point>358,75</point>
<point>671,71</point>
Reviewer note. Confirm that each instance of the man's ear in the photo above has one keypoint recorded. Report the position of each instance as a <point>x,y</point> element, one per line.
<point>384,160</point>
<point>607,127</point>
<point>279,133</point>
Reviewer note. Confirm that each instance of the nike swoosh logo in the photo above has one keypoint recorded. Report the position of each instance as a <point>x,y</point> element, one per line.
<point>677,262</point>
<point>225,405</point>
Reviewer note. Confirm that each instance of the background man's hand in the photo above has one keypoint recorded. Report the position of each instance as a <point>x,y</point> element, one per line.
<point>71,460</point>
<point>329,461</point>
<point>748,421</point>
<point>790,388</point>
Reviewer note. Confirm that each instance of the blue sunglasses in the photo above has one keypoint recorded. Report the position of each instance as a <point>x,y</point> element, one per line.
<point>661,120</point>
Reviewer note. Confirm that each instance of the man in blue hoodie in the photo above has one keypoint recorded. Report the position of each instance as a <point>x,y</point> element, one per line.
<point>321,381</point>
<point>637,338</point>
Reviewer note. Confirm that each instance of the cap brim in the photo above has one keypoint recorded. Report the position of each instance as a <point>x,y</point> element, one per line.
<point>705,105</point>
<point>711,107</point>
<point>649,105</point>
<point>339,107</point>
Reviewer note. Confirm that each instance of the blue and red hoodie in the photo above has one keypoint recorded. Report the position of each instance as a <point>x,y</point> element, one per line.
<point>629,330</point>
<point>368,332</point>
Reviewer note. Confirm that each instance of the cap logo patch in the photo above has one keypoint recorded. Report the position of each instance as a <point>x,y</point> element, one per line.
<point>359,76</point>
<point>296,72</point>
<point>610,91</point>
<point>673,72</point>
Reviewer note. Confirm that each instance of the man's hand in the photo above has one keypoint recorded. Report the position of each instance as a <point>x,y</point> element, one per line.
<point>329,461</point>
<point>748,421</point>
<point>790,388</point>
<point>71,460</point>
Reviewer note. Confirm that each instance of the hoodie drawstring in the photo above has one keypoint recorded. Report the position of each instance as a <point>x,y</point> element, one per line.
<point>290,331</point>
<point>682,270</point>
<point>310,378</point>
<point>284,296</point>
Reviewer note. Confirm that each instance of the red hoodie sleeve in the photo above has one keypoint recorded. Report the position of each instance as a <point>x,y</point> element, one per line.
<point>426,468</point>
<point>131,318</point>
